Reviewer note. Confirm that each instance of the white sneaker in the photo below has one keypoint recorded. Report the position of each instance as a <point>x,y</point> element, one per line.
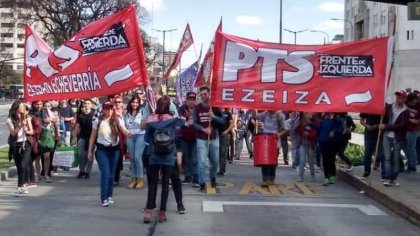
<point>110,200</point>
<point>25,190</point>
<point>105,203</point>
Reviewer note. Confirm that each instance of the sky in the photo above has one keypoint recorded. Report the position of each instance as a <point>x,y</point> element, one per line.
<point>253,19</point>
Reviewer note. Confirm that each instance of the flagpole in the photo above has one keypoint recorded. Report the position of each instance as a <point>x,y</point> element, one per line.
<point>376,151</point>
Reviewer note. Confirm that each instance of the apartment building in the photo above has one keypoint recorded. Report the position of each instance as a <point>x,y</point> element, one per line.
<point>12,36</point>
<point>366,19</point>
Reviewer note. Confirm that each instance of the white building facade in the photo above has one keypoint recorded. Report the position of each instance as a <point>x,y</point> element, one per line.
<point>12,36</point>
<point>366,20</point>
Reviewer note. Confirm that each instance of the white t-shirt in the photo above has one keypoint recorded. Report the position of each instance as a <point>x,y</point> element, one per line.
<point>21,134</point>
<point>104,133</point>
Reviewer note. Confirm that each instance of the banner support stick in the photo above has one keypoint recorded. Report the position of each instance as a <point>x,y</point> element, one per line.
<point>376,152</point>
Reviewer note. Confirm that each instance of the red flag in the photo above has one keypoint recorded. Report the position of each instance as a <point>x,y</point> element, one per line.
<point>347,77</point>
<point>186,42</point>
<point>204,73</point>
<point>106,57</point>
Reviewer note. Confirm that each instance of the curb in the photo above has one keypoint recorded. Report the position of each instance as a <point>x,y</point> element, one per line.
<point>394,205</point>
<point>6,174</point>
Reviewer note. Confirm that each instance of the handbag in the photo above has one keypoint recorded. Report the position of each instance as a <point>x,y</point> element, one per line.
<point>46,139</point>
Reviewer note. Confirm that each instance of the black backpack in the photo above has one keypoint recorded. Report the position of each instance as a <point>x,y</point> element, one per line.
<point>163,141</point>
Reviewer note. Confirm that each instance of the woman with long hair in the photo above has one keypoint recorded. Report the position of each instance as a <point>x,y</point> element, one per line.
<point>160,134</point>
<point>105,135</point>
<point>135,120</point>
<point>20,127</point>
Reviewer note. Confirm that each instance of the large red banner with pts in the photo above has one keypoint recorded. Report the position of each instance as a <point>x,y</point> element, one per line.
<point>346,77</point>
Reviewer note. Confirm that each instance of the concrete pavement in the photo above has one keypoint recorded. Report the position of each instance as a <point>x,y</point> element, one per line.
<point>69,206</point>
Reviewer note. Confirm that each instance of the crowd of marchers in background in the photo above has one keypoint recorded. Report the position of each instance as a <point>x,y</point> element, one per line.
<point>178,139</point>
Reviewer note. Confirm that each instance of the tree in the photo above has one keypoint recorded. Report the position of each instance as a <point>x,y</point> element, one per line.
<point>62,18</point>
<point>8,75</point>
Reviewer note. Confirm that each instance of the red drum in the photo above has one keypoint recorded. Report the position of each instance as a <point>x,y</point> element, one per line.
<point>265,150</point>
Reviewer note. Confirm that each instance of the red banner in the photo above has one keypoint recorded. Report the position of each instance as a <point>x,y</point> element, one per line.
<point>347,77</point>
<point>102,59</point>
<point>186,42</point>
<point>204,73</point>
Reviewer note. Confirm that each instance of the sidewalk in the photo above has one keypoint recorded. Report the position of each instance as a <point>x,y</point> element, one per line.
<point>403,200</point>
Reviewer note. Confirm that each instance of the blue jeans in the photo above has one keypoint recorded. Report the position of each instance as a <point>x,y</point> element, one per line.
<point>295,157</point>
<point>370,146</point>
<point>306,154</point>
<point>107,162</point>
<point>411,141</point>
<point>135,146</point>
<point>418,150</point>
<point>392,150</point>
<point>189,149</point>
<point>85,165</point>
<point>207,149</point>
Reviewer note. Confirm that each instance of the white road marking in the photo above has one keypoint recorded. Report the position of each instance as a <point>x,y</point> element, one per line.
<point>217,206</point>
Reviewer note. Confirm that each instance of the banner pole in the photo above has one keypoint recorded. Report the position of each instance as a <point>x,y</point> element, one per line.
<point>376,152</point>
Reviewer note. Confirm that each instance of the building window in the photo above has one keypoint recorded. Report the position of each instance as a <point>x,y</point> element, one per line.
<point>20,45</point>
<point>6,14</point>
<point>6,45</point>
<point>410,35</point>
<point>6,55</point>
<point>19,67</point>
<point>21,36</point>
<point>7,25</point>
<point>6,35</point>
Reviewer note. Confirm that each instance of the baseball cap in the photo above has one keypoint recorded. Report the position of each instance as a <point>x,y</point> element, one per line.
<point>401,93</point>
<point>191,95</point>
<point>107,105</point>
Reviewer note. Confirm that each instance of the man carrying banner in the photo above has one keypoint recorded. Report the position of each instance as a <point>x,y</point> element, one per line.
<point>206,119</point>
<point>395,124</point>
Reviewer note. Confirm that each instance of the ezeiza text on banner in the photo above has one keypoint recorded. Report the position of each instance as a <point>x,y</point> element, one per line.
<point>104,58</point>
<point>347,77</point>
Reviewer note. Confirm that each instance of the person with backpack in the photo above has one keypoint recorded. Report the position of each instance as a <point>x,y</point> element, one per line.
<point>20,128</point>
<point>160,134</point>
<point>105,135</point>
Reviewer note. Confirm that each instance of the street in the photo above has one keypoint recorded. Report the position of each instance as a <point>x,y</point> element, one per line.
<point>238,206</point>
<point>4,132</point>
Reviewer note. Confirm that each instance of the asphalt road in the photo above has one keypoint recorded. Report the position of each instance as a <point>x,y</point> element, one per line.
<point>238,206</point>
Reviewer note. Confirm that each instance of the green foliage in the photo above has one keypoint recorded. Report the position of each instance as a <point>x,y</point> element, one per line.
<point>360,129</point>
<point>4,158</point>
<point>355,154</point>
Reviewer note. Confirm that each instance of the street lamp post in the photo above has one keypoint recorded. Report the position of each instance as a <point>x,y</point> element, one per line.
<point>281,22</point>
<point>348,22</point>
<point>163,52</point>
<point>326,34</point>
<point>296,32</point>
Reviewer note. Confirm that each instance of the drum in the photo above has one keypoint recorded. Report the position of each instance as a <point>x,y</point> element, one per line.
<point>265,150</point>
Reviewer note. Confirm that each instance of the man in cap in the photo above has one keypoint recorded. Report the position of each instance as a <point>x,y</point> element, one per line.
<point>395,122</point>
<point>189,141</point>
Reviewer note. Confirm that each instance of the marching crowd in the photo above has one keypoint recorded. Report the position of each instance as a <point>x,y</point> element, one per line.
<point>180,139</point>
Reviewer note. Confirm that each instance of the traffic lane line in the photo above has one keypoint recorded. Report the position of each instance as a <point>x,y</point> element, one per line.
<point>217,206</point>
